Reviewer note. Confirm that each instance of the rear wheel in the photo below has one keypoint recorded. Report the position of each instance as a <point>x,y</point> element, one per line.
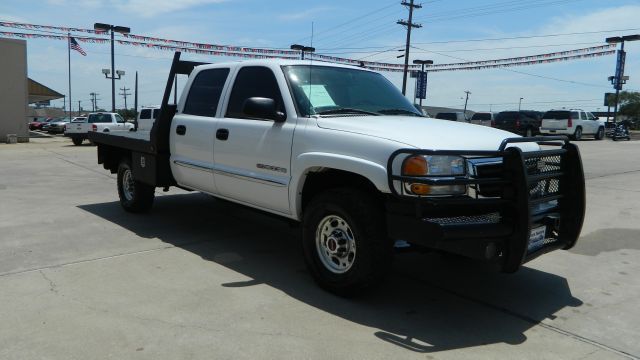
<point>344,241</point>
<point>578,134</point>
<point>76,141</point>
<point>600,134</point>
<point>135,196</point>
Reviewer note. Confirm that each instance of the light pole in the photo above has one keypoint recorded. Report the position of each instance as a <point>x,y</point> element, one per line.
<point>423,63</point>
<point>113,29</point>
<point>302,49</point>
<point>465,103</point>
<point>618,79</point>
<point>520,103</point>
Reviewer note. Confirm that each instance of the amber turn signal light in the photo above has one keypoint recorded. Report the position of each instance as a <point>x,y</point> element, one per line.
<point>415,166</point>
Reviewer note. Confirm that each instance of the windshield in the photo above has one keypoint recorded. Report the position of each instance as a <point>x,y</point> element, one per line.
<point>325,90</point>
<point>447,116</point>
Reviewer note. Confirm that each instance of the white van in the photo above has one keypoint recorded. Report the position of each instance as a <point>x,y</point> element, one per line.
<point>146,117</point>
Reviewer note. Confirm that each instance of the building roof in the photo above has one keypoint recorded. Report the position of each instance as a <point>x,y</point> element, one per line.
<point>39,92</point>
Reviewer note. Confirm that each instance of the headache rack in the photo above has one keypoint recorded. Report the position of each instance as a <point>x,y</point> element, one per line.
<point>512,196</point>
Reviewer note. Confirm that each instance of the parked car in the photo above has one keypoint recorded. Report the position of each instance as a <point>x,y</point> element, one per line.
<point>146,117</point>
<point>96,122</point>
<point>453,116</point>
<point>572,122</point>
<point>485,118</point>
<point>523,122</point>
<point>37,123</point>
<point>57,126</point>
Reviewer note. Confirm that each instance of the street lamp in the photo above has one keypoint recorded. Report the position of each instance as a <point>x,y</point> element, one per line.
<point>423,63</point>
<point>114,29</point>
<point>520,103</point>
<point>619,79</point>
<point>302,49</point>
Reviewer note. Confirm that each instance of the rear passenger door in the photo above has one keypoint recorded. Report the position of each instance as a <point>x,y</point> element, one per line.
<point>193,131</point>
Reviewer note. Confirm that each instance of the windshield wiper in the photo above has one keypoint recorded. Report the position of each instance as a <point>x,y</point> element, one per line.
<point>346,110</point>
<point>398,112</point>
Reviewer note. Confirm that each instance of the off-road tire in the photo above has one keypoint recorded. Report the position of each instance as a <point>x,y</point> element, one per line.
<point>137,197</point>
<point>364,216</point>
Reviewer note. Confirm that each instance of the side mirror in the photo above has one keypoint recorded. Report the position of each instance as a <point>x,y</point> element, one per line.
<point>262,108</point>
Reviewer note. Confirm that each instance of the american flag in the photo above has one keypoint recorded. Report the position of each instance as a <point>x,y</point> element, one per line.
<point>75,46</point>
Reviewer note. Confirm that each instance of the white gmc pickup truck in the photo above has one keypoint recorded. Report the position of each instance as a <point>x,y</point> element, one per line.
<point>96,122</point>
<point>340,151</point>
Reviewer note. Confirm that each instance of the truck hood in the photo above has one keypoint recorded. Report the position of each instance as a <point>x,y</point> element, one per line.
<point>424,133</point>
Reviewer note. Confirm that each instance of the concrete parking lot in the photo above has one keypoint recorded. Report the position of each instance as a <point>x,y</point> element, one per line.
<point>199,278</point>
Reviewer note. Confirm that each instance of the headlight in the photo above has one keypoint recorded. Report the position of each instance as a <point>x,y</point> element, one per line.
<point>437,166</point>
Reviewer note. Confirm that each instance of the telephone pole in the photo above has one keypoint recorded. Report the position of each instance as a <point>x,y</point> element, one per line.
<point>409,24</point>
<point>124,94</point>
<point>79,107</point>
<point>94,100</point>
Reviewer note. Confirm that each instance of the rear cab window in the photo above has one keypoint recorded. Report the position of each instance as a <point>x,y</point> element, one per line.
<point>145,114</point>
<point>99,118</point>
<point>204,94</point>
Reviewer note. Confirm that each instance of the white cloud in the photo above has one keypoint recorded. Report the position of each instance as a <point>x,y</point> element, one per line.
<point>304,14</point>
<point>148,9</point>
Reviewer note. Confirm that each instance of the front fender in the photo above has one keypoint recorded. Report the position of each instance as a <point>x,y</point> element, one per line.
<point>307,162</point>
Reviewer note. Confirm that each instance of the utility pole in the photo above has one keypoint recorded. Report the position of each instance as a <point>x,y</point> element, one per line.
<point>409,24</point>
<point>94,100</point>
<point>465,103</point>
<point>124,94</point>
<point>79,107</point>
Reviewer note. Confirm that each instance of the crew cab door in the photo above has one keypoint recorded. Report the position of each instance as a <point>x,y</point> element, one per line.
<point>252,156</point>
<point>193,131</point>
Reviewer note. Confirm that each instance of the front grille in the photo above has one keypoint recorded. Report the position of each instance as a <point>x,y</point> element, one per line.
<point>491,170</point>
<point>544,165</point>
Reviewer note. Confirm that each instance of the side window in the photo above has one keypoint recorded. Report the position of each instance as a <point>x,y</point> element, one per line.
<point>119,119</point>
<point>590,116</point>
<point>253,81</point>
<point>205,91</point>
<point>575,115</point>
<point>145,114</point>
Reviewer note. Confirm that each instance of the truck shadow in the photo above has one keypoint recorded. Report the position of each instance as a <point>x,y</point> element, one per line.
<point>428,304</point>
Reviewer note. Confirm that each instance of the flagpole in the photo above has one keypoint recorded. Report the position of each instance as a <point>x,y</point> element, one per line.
<point>69,63</point>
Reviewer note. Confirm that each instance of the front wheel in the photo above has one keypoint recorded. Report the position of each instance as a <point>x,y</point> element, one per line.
<point>344,241</point>
<point>134,196</point>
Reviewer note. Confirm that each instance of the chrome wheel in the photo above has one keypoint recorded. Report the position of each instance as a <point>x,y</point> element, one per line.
<point>128,185</point>
<point>335,244</point>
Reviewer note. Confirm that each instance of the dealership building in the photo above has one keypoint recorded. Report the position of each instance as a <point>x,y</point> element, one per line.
<point>17,91</point>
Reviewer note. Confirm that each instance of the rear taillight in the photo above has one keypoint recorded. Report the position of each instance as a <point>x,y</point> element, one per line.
<point>94,127</point>
<point>64,128</point>
<point>569,122</point>
<point>518,124</point>
<point>493,123</point>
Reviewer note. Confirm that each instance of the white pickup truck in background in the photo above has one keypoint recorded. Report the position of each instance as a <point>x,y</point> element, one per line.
<point>341,152</point>
<point>96,122</point>
<point>146,117</point>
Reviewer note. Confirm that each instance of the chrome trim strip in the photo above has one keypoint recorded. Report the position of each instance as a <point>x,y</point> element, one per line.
<point>236,175</point>
<point>193,166</point>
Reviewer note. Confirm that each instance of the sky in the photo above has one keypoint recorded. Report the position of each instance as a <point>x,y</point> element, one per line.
<point>354,29</point>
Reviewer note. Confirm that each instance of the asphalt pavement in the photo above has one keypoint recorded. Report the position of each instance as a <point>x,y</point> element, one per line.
<point>199,278</point>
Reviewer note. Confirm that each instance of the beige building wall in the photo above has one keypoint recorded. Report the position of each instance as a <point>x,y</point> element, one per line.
<point>13,89</point>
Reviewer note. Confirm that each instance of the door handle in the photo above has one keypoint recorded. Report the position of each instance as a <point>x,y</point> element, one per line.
<point>181,129</point>
<point>222,134</point>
